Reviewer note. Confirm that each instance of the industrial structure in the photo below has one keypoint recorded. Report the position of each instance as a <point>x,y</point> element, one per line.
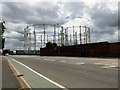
<point>75,38</point>
<point>63,36</point>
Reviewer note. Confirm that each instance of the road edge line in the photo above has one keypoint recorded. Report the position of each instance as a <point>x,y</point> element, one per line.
<point>20,79</point>
<point>53,82</point>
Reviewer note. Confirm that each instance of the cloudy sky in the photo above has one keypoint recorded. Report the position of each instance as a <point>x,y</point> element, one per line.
<point>100,15</point>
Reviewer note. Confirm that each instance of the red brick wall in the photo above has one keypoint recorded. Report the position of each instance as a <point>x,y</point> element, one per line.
<point>86,50</point>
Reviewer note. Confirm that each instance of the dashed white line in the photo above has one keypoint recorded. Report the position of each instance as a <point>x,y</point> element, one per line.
<point>49,59</point>
<point>46,59</point>
<point>63,61</point>
<point>80,63</point>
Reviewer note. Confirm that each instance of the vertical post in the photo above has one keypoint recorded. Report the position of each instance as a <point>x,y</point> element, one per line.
<point>73,36</point>
<point>41,40</point>
<point>29,41</point>
<point>44,34</point>
<point>58,37</point>
<point>70,39</point>
<point>84,37</point>
<point>80,35</point>
<point>54,41</point>
<point>24,39</point>
<point>66,36</point>
<point>85,34</point>
<point>62,37</point>
<point>89,34</point>
<point>47,38</point>
<point>34,38</point>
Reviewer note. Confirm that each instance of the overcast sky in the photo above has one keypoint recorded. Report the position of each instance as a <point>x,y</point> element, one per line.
<point>100,15</point>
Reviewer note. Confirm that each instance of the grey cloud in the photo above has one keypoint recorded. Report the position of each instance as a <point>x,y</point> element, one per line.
<point>75,8</point>
<point>103,17</point>
<point>105,23</point>
<point>22,12</point>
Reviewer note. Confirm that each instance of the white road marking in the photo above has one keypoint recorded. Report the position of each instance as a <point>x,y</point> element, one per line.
<point>20,77</point>
<point>63,61</point>
<point>113,66</point>
<point>46,59</point>
<point>80,63</point>
<point>104,67</point>
<point>52,60</point>
<point>55,83</point>
<point>49,59</point>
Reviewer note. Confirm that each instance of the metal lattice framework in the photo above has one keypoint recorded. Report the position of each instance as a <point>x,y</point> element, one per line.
<point>62,36</point>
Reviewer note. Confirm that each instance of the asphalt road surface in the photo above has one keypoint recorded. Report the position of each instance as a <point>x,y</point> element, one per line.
<point>75,72</point>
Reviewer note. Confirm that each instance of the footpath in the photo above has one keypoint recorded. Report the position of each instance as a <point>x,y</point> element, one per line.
<point>9,81</point>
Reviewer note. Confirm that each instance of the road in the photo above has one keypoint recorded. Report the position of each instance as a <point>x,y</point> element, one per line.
<point>74,72</point>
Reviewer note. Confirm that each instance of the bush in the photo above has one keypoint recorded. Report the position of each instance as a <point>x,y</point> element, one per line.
<point>49,45</point>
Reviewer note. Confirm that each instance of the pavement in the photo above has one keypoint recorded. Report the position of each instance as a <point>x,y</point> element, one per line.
<point>0,72</point>
<point>9,81</point>
<point>68,72</point>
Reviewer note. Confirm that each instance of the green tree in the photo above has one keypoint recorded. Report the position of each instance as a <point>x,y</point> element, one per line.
<point>54,45</point>
<point>49,45</point>
<point>2,39</point>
